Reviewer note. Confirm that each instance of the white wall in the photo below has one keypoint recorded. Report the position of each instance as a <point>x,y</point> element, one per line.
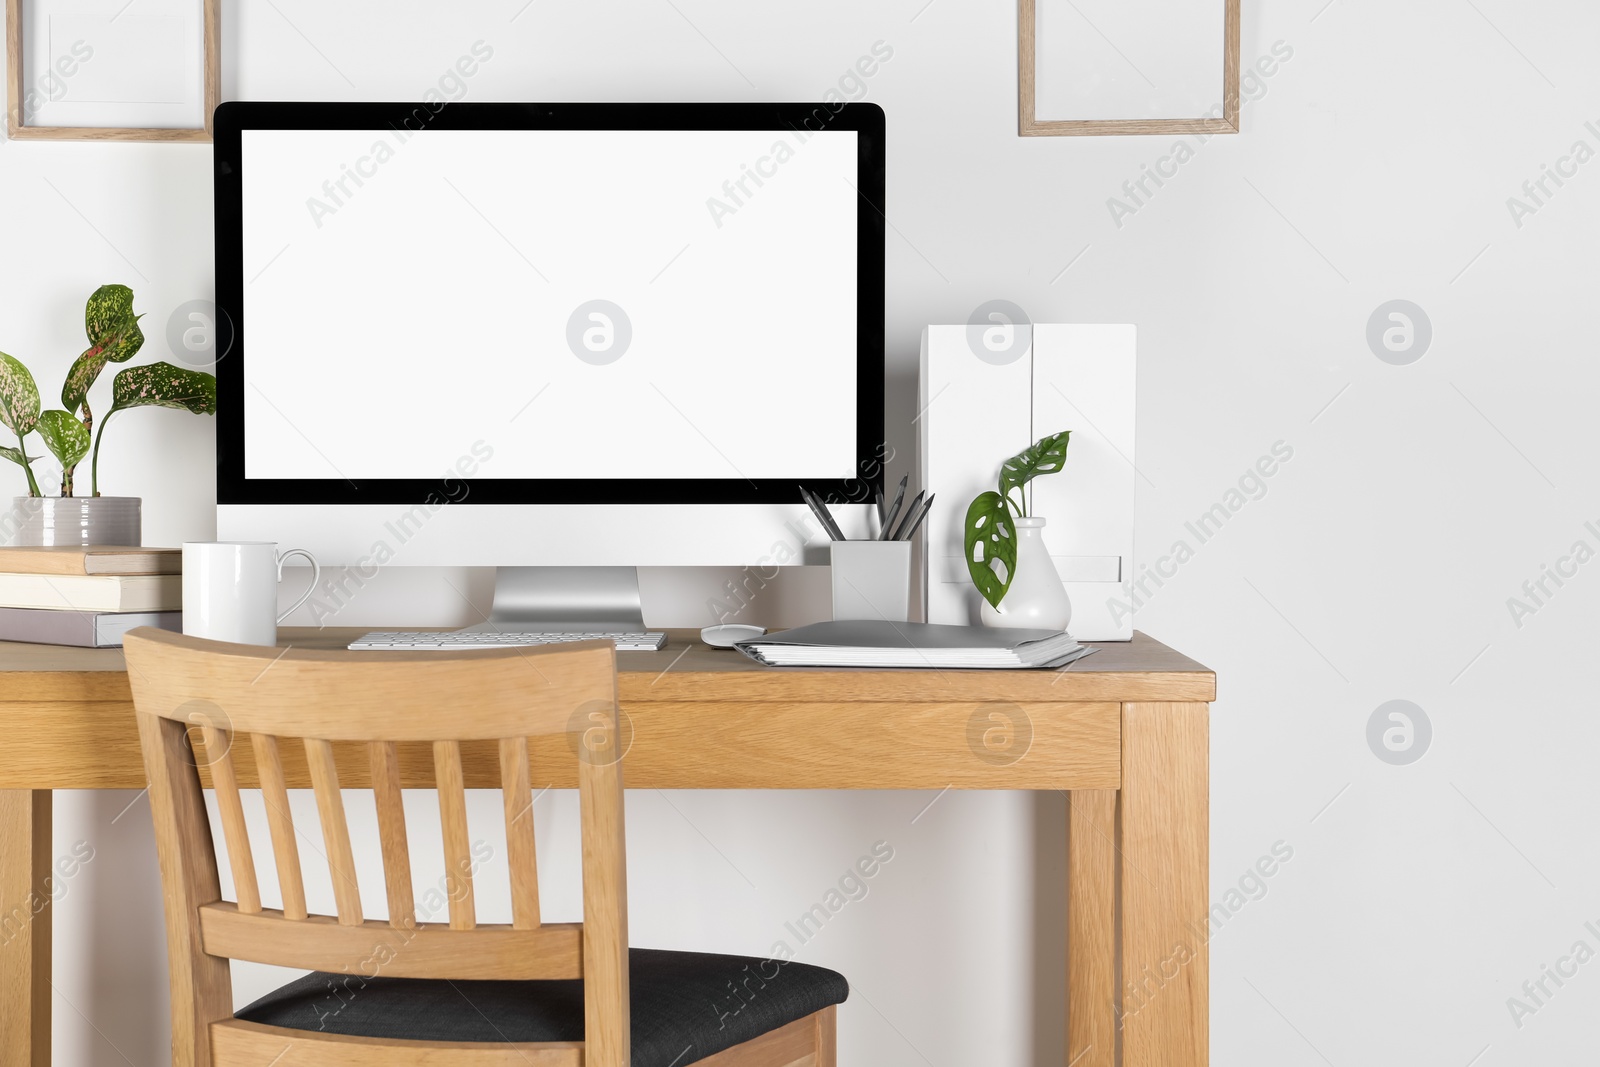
<point>1377,566</point>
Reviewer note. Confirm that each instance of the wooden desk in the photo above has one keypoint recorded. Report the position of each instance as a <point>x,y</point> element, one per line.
<point>1124,731</point>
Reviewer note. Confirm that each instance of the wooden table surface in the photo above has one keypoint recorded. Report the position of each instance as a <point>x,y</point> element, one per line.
<point>687,669</point>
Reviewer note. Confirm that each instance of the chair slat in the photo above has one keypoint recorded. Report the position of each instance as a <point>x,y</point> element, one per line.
<point>386,795</point>
<point>335,831</point>
<point>427,950</point>
<point>457,844</point>
<point>219,754</point>
<point>517,793</point>
<point>285,849</point>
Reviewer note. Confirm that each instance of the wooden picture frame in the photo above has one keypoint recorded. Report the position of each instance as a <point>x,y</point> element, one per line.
<point>1028,125</point>
<point>16,90</point>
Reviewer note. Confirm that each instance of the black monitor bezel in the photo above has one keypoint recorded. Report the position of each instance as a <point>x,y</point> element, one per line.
<point>867,120</point>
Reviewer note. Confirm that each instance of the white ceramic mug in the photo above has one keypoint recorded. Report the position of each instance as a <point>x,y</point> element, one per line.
<point>230,590</point>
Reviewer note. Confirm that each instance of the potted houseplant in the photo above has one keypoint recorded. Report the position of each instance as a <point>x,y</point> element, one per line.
<point>1004,545</point>
<point>68,433</point>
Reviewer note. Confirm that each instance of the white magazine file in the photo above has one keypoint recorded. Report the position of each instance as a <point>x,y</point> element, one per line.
<point>974,413</point>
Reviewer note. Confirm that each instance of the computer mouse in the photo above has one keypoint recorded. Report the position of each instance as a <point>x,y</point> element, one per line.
<point>723,635</point>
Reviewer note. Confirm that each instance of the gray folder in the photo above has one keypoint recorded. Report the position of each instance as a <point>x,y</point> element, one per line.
<point>869,643</point>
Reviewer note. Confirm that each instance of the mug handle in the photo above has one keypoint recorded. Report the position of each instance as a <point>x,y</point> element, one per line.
<point>316,573</point>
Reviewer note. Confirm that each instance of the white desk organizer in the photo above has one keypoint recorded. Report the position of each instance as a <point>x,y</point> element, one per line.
<point>975,414</point>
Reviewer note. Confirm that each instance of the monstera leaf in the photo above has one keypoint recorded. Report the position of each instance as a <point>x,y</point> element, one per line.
<point>114,337</point>
<point>1044,456</point>
<point>989,536</point>
<point>65,437</point>
<point>165,386</point>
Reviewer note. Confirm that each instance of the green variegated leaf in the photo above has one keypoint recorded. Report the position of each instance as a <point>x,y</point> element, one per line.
<point>19,397</point>
<point>108,319</point>
<point>114,337</point>
<point>65,437</point>
<point>163,385</point>
<point>15,455</point>
<point>85,369</point>
<point>1045,456</point>
<point>989,536</point>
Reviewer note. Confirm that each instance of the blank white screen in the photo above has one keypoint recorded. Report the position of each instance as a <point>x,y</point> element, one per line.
<point>391,324</point>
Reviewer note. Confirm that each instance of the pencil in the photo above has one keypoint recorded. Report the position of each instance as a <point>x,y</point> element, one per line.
<point>894,509</point>
<point>926,507</point>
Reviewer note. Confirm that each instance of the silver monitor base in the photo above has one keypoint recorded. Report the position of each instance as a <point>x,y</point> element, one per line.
<point>564,599</point>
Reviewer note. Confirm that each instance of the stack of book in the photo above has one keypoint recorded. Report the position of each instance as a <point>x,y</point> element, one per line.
<point>88,596</point>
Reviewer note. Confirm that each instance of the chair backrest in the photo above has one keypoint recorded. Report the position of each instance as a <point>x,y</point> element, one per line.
<point>309,714</point>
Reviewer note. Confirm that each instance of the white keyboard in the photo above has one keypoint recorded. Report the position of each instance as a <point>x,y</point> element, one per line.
<point>455,640</point>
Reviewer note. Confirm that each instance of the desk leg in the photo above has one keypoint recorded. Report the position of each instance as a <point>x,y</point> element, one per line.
<point>24,928</point>
<point>1091,927</point>
<point>1164,851</point>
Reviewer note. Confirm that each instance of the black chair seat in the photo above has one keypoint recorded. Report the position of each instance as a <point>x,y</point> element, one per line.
<point>686,1005</point>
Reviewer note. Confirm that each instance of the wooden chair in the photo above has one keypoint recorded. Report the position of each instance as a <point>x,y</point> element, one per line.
<point>399,991</point>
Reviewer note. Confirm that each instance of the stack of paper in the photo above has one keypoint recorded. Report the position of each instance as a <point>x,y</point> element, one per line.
<point>912,644</point>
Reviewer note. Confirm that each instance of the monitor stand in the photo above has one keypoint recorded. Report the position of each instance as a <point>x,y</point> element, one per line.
<point>564,599</point>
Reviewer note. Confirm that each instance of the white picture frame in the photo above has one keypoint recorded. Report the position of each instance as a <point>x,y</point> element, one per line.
<point>1055,33</point>
<point>93,70</point>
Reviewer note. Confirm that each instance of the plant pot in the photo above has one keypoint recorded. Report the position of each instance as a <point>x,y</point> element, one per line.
<point>1036,599</point>
<point>72,520</point>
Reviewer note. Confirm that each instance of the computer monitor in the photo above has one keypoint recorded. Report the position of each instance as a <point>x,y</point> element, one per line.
<point>554,335</point>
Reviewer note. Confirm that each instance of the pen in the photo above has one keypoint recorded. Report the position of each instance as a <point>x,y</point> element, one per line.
<point>894,509</point>
<point>877,498</point>
<point>927,506</point>
<point>820,510</point>
<point>910,510</point>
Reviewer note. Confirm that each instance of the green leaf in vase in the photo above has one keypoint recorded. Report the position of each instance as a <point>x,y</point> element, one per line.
<point>1045,456</point>
<point>990,536</point>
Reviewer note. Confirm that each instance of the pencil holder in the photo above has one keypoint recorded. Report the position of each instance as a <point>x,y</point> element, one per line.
<point>872,580</point>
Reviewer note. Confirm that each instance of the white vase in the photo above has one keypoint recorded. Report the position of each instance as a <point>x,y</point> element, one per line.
<point>1036,599</point>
